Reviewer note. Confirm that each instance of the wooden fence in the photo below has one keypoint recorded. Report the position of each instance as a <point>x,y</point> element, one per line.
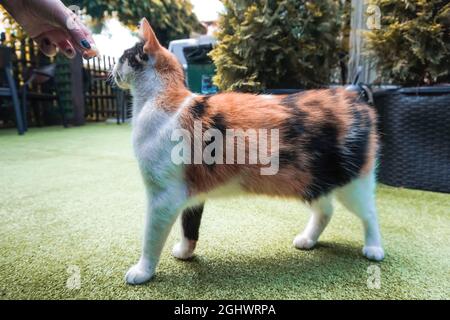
<point>103,101</point>
<point>81,86</point>
<point>27,57</point>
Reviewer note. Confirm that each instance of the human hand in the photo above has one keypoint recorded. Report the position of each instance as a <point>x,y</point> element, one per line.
<point>53,26</point>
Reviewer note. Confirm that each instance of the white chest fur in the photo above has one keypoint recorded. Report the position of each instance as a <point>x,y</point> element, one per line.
<point>152,130</point>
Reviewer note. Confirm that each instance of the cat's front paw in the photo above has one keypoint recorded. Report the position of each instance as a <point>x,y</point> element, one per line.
<point>138,275</point>
<point>303,243</point>
<point>373,253</point>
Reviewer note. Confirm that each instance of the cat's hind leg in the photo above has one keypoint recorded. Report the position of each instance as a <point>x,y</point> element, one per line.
<point>190,225</point>
<point>359,198</point>
<point>322,210</point>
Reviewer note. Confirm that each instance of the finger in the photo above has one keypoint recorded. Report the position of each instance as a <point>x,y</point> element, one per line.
<point>81,37</point>
<point>67,49</point>
<point>46,46</point>
<point>59,38</point>
<point>83,42</point>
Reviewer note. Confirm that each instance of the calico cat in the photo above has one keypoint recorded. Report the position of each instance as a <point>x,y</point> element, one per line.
<point>326,145</point>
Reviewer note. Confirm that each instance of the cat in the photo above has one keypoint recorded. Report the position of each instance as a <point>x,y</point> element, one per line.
<point>327,146</point>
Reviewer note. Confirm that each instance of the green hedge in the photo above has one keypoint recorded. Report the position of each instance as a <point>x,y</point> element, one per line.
<point>412,47</point>
<point>277,44</point>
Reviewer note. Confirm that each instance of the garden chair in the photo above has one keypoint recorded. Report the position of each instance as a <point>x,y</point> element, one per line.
<point>40,76</point>
<point>6,71</point>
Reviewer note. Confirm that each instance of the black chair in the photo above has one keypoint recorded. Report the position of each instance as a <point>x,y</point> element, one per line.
<point>6,71</point>
<point>40,76</point>
<point>122,102</point>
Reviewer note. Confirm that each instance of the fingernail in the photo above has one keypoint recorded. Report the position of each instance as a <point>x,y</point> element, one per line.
<point>85,44</point>
<point>95,51</point>
<point>70,53</point>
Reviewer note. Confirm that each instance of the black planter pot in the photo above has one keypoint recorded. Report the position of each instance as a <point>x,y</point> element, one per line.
<point>282,91</point>
<point>415,136</point>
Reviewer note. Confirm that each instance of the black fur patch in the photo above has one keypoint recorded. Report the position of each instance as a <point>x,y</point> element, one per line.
<point>295,124</point>
<point>292,130</point>
<point>294,127</point>
<point>291,100</point>
<point>288,157</point>
<point>326,162</point>
<point>199,108</point>
<point>219,123</point>
<point>313,103</point>
<point>131,54</point>
<point>190,221</point>
<point>358,145</point>
<point>332,165</point>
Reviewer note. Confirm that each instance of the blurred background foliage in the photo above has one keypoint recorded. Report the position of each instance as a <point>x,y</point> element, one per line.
<point>270,44</point>
<point>171,19</point>
<point>280,44</point>
<point>12,29</point>
<point>412,47</point>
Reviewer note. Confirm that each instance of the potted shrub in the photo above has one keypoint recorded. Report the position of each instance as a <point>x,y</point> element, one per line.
<point>276,44</point>
<point>412,49</point>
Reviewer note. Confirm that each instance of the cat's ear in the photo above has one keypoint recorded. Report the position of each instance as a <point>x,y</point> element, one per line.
<point>148,35</point>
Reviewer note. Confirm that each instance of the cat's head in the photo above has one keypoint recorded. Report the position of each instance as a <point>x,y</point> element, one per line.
<point>147,63</point>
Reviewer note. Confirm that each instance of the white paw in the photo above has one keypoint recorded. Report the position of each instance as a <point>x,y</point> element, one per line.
<point>303,243</point>
<point>182,251</point>
<point>373,253</point>
<point>138,275</point>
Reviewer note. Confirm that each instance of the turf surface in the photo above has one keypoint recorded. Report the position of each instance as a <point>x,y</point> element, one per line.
<point>73,200</point>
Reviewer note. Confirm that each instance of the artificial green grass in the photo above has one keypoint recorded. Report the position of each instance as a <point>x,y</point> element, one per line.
<point>74,197</point>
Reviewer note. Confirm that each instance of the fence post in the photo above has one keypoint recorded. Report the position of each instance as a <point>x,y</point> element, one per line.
<point>357,45</point>
<point>77,90</point>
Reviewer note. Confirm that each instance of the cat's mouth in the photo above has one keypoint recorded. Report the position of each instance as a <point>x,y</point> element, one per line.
<point>117,78</point>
